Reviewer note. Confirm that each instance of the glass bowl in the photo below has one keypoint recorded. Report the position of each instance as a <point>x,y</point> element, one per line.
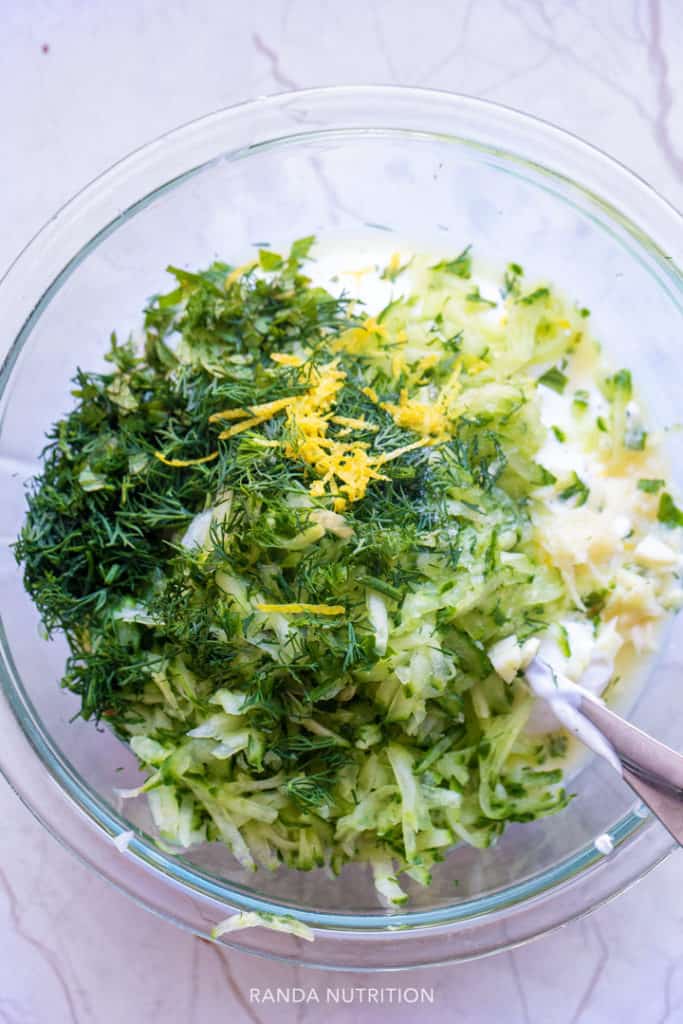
<point>440,171</point>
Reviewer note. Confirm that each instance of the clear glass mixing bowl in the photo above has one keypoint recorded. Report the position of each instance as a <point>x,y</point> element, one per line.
<point>442,171</point>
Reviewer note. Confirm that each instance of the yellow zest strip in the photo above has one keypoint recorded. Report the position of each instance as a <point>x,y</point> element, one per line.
<point>453,386</point>
<point>304,449</point>
<point>286,359</point>
<point>264,411</point>
<point>371,394</point>
<point>355,424</point>
<point>358,273</point>
<point>394,264</point>
<point>239,427</point>
<point>270,408</point>
<point>296,609</point>
<point>419,416</point>
<point>398,364</point>
<point>238,272</point>
<point>473,364</point>
<point>373,326</point>
<point>185,462</point>
<point>427,363</point>
<point>397,452</point>
<point>228,414</point>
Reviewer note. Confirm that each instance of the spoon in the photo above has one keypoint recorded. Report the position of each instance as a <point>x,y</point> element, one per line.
<point>652,770</point>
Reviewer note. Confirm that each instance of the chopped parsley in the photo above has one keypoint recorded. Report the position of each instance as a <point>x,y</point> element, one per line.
<point>581,400</point>
<point>394,268</point>
<point>668,512</point>
<point>563,641</point>
<point>594,603</point>
<point>635,437</point>
<point>620,385</point>
<point>650,486</point>
<point>475,297</point>
<point>461,266</point>
<point>575,489</point>
<point>535,296</point>
<point>553,379</point>
<point>512,280</point>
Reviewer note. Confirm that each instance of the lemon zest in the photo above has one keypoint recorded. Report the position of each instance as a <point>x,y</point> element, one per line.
<point>179,463</point>
<point>265,410</point>
<point>388,456</point>
<point>422,417</point>
<point>358,274</point>
<point>353,422</point>
<point>373,326</point>
<point>398,363</point>
<point>298,608</point>
<point>394,264</point>
<point>254,421</point>
<point>286,359</point>
<point>239,272</point>
<point>475,365</point>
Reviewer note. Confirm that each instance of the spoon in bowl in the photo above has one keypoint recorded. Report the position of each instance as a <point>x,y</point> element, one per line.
<point>652,770</point>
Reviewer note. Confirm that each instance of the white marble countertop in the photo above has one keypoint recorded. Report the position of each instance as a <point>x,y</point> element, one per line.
<point>85,81</point>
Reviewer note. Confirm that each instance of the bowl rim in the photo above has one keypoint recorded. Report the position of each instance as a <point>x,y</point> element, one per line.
<point>96,210</point>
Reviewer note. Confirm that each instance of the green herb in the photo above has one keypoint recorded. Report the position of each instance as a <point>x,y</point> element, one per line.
<point>476,298</point>
<point>635,437</point>
<point>300,250</point>
<point>619,386</point>
<point>543,477</point>
<point>535,296</point>
<point>269,260</point>
<point>563,642</point>
<point>392,273</point>
<point>650,486</point>
<point>395,593</point>
<point>575,489</point>
<point>512,279</point>
<point>461,266</point>
<point>554,379</point>
<point>557,745</point>
<point>668,512</point>
<point>581,400</point>
<point>594,603</point>
<point>559,434</point>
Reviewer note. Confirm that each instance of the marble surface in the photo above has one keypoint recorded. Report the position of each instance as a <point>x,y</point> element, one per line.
<point>85,81</point>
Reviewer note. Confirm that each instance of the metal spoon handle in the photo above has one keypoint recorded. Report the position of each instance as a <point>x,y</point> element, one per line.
<point>652,770</point>
<point>666,806</point>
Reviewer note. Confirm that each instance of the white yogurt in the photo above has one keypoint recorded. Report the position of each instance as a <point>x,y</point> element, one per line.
<point>589,663</point>
<point>563,697</point>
